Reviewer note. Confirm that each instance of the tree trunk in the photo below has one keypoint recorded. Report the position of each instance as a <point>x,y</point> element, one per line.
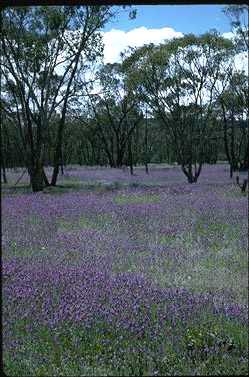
<point>55,175</point>
<point>4,174</point>
<point>3,169</point>
<point>245,165</point>
<point>62,122</point>
<point>225,137</point>
<point>146,145</point>
<point>62,162</point>
<point>37,178</point>
<point>45,179</point>
<point>146,168</point>
<point>57,157</point>
<point>120,158</point>
<point>192,178</point>
<point>130,157</point>
<point>62,168</point>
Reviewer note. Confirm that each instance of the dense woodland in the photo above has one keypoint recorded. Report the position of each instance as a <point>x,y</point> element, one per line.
<point>183,101</point>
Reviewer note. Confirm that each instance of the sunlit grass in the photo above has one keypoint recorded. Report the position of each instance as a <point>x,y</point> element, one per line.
<point>136,199</point>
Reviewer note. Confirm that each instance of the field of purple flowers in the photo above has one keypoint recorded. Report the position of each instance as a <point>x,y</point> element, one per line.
<point>109,274</point>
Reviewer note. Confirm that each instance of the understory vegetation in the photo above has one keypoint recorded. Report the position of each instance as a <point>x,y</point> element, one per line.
<point>142,275</point>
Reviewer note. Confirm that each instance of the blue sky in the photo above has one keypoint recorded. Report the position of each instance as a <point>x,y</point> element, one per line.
<point>184,18</point>
<point>157,23</point>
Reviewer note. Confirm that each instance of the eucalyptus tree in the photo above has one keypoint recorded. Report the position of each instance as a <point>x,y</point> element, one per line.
<point>115,112</point>
<point>11,143</point>
<point>235,101</point>
<point>3,153</point>
<point>178,80</point>
<point>239,17</point>
<point>233,104</point>
<point>81,144</point>
<point>43,48</point>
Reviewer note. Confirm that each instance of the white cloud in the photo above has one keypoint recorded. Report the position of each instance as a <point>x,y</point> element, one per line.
<point>116,41</point>
<point>241,62</point>
<point>228,35</point>
<point>240,59</point>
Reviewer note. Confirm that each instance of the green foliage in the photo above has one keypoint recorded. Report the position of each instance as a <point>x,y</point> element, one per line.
<point>201,340</point>
<point>36,41</point>
<point>238,15</point>
<point>171,80</point>
<point>205,348</point>
<point>167,239</point>
<point>136,199</point>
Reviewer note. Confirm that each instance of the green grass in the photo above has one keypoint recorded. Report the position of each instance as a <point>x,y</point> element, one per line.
<point>19,189</point>
<point>217,231</point>
<point>167,239</point>
<point>136,199</point>
<point>234,193</point>
<point>99,222</point>
<point>133,262</point>
<point>202,347</point>
<point>67,186</point>
<point>221,266</point>
<point>82,223</point>
<point>96,186</point>
<point>28,253</point>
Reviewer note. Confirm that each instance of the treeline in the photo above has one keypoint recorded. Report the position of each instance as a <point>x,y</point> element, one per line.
<point>82,146</point>
<point>183,101</point>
